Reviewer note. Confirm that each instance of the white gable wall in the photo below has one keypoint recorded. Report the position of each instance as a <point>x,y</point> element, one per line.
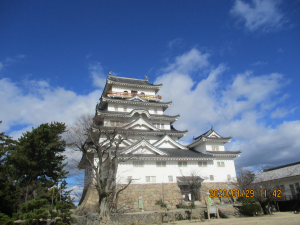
<point>209,146</point>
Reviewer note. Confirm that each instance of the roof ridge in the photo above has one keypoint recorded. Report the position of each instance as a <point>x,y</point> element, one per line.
<point>128,78</point>
<point>283,166</point>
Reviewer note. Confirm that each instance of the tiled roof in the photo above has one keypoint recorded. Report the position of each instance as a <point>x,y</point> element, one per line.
<point>102,111</point>
<point>224,152</point>
<point>205,136</point>
<point>189,179</point>
<point>285,171</point>
<point>131,81</point>
<point>207,133</point>
<point>174,154</point>
<point>146,132</point>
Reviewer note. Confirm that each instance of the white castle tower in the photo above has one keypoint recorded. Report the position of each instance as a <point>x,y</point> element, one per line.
<point>162,165</point>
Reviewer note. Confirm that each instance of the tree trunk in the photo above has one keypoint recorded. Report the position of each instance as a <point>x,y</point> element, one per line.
<point>104,208</point>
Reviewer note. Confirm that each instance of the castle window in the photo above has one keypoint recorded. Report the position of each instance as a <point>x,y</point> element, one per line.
<point>161,164</point>
<point>220,164</point>
<point>211,177</point>
<point>170,178</point>
<point>202,164</point>
<point>129,178</point>
<point>155,111</point>
<point>125,108</point>
<point>125,93</point>
<point>182,164</point>
<point>162,126</point>
<point>150,178</point>
<point>215,148</point>
<point>116,108</point>
<point>133,92</point>
<point>142,93</point>
<point>138,163</point>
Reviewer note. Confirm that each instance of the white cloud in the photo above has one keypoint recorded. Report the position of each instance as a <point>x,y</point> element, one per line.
<point>188,62</point>
<point>31,103</point>
<point>259,15</point>
<point>241,108</point>
<point>279,113</point>
<point>98,76</point>
<point>76,193</point>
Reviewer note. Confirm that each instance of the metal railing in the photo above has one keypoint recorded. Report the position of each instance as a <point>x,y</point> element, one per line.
<point>125,94</point>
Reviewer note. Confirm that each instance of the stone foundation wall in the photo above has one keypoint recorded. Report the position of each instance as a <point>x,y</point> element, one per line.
<point>150,193</point>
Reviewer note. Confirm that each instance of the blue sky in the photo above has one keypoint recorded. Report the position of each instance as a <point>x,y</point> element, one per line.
<point>231,64</point>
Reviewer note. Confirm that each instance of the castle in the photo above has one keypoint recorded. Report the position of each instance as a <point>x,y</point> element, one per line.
<point>163,164</point>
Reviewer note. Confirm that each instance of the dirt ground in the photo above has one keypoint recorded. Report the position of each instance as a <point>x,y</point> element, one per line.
<point>285,218</point>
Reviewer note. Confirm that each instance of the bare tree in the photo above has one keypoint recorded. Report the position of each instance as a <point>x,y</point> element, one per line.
<point>245,178</point>
<point>101,150</point>
<point>192,184</point>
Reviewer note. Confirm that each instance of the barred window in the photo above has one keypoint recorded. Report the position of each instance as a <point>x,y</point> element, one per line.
<point>161,164</point>
<point>211,177</point>
<point>182,164</point>
<point>150,178</point>
<point>202,164</point>
<point>162,126</point>
<point>215,148</point>
<point>138,163</point>
<point>170,178</point>
<point>125,108</point>
<point>116,108</point>
<point>220,164</point>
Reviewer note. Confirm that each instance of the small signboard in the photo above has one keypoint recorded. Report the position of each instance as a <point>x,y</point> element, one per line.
<point>212,209</point>
<point>140,203</point>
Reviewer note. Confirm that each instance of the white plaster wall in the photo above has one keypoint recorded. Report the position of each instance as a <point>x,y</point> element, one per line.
<point>209,146</point>
<point>220,173</point>
<point>201,147</point>
<point>111,107</point>
<point>287,182</point>
<point>147,91</point>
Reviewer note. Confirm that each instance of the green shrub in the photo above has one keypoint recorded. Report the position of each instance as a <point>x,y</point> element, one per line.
<point>250,209</point>
<point>183,206</point>
<point>6,220</point>
<point>161,204</point>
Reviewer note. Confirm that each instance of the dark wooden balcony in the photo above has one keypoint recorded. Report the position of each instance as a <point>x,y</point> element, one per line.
<point>126,94</point>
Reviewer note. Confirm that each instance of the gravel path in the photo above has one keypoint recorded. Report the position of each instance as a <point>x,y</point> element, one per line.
<point>284,218</point>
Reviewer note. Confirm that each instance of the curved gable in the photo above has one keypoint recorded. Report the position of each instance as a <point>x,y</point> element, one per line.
<point>169,141</point>
<point>141,122</point>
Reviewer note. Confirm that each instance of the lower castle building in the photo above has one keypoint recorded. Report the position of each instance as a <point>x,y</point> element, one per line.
<point>162,167</point>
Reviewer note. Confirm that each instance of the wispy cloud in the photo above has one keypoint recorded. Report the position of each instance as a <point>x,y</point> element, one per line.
<point>259,63</point>
<point>98,76</point>
<point>261,15</point>
<point>174,42</point>
<point>240,109</point>
<point>11,60</point>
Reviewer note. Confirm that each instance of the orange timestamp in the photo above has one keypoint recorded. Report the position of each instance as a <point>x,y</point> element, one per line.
<point>244,193</point>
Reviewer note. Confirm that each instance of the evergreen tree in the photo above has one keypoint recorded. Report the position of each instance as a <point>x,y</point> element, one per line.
<point>8,189</point>
<point>39,159</point>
